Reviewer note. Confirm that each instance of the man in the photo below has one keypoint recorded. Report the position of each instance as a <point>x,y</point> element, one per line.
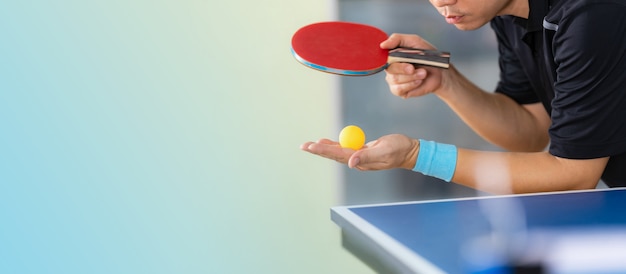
<point>562,84</point>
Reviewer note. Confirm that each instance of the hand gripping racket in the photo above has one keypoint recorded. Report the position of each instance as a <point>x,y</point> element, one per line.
<point>354,49</point>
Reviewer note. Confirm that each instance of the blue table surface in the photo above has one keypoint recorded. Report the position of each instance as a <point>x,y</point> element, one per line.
<point>435,229</point>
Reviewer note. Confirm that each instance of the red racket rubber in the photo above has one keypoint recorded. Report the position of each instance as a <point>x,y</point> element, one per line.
<point>354,49</point>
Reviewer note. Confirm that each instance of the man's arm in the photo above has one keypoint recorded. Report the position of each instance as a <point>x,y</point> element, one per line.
<point>489,171</point>
<point>511,172</point>
<point>494,116</point>
<point>494,172</point>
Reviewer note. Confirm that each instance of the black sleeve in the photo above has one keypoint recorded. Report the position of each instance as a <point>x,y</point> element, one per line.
<point>589,108</point>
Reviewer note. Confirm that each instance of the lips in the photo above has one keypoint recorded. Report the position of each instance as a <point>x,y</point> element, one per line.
<point>454,19</point>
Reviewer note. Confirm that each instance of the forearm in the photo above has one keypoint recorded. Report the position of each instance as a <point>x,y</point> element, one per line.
<point>495,117</point>
<point>519,172</point>
<point>490,171</point>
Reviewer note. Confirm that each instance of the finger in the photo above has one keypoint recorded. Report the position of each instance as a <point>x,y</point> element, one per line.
<point>327,142</point>
<point>407,85</point>
<point>396,40</point>
<point>367,160</point>
<point>402,82</point>
<point>305,146</point>
<point>364,159</point>
<point>395,79</point>
<point>354,160</point>
<point>405,90</point>
<point>421,73</point>
<point>400,68</point>
<point>428,85</point>
<point>411,74</point>
<point>331,151</point>
<point>392,42</point>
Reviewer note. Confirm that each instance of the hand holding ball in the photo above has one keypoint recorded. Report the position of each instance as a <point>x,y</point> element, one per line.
<point>352,137</point>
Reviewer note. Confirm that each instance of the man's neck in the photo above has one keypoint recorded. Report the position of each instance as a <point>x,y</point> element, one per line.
<point>519,8</point>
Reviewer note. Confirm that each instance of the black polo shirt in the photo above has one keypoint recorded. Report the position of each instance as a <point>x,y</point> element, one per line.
<point>570,55</point>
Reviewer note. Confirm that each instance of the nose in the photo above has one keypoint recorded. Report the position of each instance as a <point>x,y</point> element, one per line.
<point>442,3</point>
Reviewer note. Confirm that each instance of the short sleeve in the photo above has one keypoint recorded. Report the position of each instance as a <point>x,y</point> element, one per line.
<point>589,107</point>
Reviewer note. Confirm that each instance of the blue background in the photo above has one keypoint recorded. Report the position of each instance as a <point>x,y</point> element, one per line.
<point>163,137</point>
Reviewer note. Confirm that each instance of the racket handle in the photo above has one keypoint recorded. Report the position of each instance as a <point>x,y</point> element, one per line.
<point>433,58</point>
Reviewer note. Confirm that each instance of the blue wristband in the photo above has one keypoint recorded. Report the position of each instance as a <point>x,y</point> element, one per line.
<point>436,160</point>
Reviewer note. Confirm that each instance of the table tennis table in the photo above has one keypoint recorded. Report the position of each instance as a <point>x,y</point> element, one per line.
<point>555,232</point>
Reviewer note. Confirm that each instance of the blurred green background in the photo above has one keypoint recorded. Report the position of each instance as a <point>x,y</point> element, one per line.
<point>163,137</point>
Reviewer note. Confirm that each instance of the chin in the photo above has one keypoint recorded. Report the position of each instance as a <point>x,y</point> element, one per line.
<point>468,26</point>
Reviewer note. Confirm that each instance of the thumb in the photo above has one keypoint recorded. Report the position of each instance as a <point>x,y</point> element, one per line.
<point>392,42</point>
<point>354,160</point>
<point>363,160</point>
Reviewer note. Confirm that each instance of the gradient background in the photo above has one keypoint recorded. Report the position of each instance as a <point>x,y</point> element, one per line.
<point>162,137</point>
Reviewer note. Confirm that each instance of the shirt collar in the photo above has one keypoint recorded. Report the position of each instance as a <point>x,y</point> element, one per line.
<point>537,11</point>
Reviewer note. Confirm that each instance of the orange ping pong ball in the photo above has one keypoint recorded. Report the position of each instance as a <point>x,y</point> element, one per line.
<point>352,137</point>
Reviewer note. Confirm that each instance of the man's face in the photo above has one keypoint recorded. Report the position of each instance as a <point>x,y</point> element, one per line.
<point>469,14</point>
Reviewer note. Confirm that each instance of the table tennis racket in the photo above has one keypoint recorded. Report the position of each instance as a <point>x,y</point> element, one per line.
<point>353,49</point>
